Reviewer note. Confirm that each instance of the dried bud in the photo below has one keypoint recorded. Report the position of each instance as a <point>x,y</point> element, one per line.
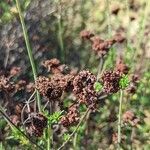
<point>20,85</point>
<point>47,88</point>
<point>129,117</point>
<point>133,84</point>
<point>15,71</point>
<point>110,81</point>
<point>38,123</point>
<point>30,87</point>
<point>51,64</point>
<point>121,67</point>
<point>5,84</point>
<point>64,69</point>
<point>86,34</point>
<point>39,120</point>
<point>84,89</point>
<point>15,119</point>
<point>100,46</point>
<point>72,117</point>
<point>82,80</point>
<point>119,38</point>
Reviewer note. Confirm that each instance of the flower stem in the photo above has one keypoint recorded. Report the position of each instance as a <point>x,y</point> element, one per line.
<point>48,138</point>
<point>77,127</point>
<point>119,119</point>
<point>29,50</point>
<point>60,33</point>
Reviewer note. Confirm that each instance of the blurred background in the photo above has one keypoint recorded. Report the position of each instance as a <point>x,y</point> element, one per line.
<point>54,30</point>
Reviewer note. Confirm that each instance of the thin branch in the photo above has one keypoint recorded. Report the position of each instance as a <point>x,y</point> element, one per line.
<point>101,62</point>
<point>29,50</point>
<point>72,134</point>
<point>119,119</point>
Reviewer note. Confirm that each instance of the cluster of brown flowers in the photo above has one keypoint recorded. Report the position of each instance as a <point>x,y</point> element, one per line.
<point>54,66</point>
<point>129,117</point>
<point>5,84</point>
<point>60,81</point>
<point>38,123</point>
<point>84,89</point>
<point>9,84</point>
<point>110,81</point>
<point>100,46</point>
<point>133,84</point>
<point>48,88</point>
<point>115,138</point>
<point>121,67</point>
<point>72,116</point>
<point>63,80</point>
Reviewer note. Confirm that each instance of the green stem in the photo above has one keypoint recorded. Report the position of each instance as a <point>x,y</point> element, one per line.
<point>119,119</point>
<point>48,138</point>
<point>100,67</point>
<point>60,33</point>
<point>77,127</point>
<point>75,141</point>
<point>61,39</point>
<point>29,50</point>
<point>49,128</point>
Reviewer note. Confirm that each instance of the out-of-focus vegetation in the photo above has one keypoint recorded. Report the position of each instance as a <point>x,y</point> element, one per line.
<point>54,31</point>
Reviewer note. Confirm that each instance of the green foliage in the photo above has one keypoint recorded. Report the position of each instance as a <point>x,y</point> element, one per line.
<point>55,117</point>
<point>9,10</point>
<point>66,136</point>
<point>16,135</point>
<point>97,86</point>
<point>124,82</point>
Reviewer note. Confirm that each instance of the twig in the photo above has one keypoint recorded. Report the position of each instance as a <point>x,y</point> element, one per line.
<point>119,119</point>
<point>49,129</point>
<point>29,50</point>
<point>60,33</point>
<point>101,62</point>
<point>8,45</point>
<point>72,134</point>
<point>102,97</point>
<point>9,121</point>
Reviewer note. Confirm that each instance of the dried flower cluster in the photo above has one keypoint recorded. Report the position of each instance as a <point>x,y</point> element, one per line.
<point>37,125</point>
<point>54,66</point>
<point>82,85</point>
<point>64,81</point>
<point>115,138</point>
<point>100,46</point>
<point>133,84</point>
<point>72,116</point>
<point>84,88</point>
<point>15,71</point>
<point>121,67</point>
<point>5,84</point>
<point>48,88</point>
<point>129,117</point>
<point>110,81</point>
